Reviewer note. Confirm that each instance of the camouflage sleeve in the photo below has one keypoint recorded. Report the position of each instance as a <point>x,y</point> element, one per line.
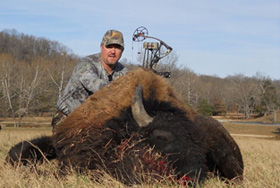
<point>88,77</point>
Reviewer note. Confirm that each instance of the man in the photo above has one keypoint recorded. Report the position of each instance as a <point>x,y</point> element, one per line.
<point>91,74</point>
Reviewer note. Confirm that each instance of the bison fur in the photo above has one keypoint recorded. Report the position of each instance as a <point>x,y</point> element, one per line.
<point>32,152</point>
<point>104,133</point>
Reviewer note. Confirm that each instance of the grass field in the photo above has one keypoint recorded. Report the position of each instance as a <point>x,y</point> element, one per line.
<point>261,159</point>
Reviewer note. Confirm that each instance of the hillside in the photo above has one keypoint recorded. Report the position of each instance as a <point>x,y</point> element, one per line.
<point>35,70</point>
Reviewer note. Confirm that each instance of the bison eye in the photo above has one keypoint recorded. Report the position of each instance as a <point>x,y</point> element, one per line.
<point>162,135</point>
<point>162,138</point>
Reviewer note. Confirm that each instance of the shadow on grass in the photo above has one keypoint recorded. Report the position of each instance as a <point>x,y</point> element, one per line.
<point>277,132</point>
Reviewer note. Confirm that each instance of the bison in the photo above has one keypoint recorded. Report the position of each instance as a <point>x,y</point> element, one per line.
<point>137,124</point>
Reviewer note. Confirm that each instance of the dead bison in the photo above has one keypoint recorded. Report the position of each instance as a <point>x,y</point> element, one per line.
<point>137,122</point>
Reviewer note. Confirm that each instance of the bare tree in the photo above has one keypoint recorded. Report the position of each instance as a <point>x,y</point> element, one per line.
<point>60,70</point>
<point>246,92</point>
<point>168,63</point>
<point>58,80</point>
<point>7,76</point>
<point>185,83</point>
<point>268,96</point>
<point>19,83</point>
<point>27,89</point>
<point>24,60</point>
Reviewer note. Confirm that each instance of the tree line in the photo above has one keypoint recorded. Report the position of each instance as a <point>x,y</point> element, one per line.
<point>212,95</point>
<point>34,71</point>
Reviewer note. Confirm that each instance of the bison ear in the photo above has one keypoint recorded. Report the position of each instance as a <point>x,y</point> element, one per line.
<point>138,111</point>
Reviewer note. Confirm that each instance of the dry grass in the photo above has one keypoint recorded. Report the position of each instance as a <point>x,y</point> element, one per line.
<point>269,130</point>
<point>240,117</point>
<point>261,159</point>
<point>28,119</point>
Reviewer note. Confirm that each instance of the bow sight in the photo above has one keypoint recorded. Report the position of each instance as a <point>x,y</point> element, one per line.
<point>154,51</point>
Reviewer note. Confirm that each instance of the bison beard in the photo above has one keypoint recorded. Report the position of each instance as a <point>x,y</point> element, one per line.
<point>104,132</point>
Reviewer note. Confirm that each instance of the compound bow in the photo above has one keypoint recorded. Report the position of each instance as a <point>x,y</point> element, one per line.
<point>154,51</point>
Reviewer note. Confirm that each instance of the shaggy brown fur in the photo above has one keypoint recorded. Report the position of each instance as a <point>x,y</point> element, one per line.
<point>84,128</point>
<point>110,101</point>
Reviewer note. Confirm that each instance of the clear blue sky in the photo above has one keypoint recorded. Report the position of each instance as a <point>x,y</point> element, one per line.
<point>214,37</point>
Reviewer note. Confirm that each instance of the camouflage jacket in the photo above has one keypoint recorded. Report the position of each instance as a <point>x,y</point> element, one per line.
<point>88,77</point>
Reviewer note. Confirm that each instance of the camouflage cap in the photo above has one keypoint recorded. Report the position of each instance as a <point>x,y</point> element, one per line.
<point>113,37</point>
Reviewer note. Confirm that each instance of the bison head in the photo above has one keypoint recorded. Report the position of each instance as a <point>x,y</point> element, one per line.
<point>189,147</point>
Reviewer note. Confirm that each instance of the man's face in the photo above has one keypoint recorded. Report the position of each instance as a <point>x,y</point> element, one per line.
<point>110,54</point>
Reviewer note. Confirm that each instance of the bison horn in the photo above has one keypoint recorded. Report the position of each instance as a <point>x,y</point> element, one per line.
<point>138,111</point>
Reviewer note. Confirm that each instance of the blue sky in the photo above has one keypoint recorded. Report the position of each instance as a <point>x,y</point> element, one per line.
<point>214,37</point>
